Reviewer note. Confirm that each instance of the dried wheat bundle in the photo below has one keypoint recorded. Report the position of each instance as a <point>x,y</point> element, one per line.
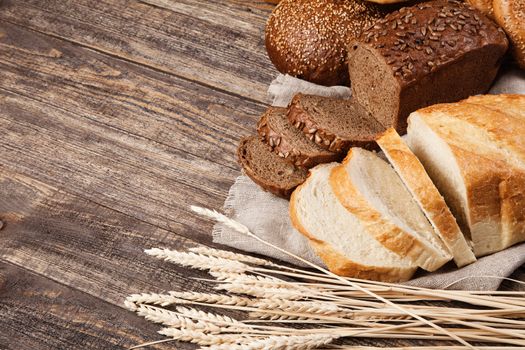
<point>275,299</point>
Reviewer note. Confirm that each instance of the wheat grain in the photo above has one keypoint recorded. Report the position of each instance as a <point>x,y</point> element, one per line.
<point>210,317</point>
<point>154,299</point>
<point>231,256</point>
<point>270,282</point>
<point>172,319</point>
<point>199,338</point>
<point>260,292</point>
<point>198,261</point>
<point>244,230</point>
<point>186,298</point>
<point>302,342</point>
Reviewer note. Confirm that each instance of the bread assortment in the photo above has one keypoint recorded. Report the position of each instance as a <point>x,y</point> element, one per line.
<point>440,51</point>
<point>472,152</point>
<point>308,38</point>
<point>454,189</point>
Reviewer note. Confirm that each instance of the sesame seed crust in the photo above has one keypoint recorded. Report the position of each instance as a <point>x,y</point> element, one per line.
<point>510,14</point>
<point>419,40</point>
<point>307,38</point>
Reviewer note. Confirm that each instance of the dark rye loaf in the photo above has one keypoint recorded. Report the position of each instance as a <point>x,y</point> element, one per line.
<point>438,51</point>
<point>267,169</point>
<point>334,124</point>
<point>290,143</point>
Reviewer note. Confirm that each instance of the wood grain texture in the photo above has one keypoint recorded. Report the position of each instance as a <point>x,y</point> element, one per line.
<point>192,119</point>
<point>87,246</point>
<point>219,46</point>
<point>37,313</point>
<point>110,123</point>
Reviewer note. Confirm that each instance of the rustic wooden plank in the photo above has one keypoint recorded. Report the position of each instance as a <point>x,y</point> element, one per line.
<point>85,245</point>
<point>37,313</point>
<point>223,51</point>
<point>117,170</point>
<point>174,112</point>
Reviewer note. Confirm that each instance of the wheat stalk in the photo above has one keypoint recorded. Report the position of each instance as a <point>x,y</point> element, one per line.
<point>244,230</point>
<point>329,306</point>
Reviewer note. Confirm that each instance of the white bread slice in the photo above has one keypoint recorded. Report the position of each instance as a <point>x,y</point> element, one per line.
<point>369,188</point>
<point>340,238</point>
<point>476,157</point>
<point>425,193</point>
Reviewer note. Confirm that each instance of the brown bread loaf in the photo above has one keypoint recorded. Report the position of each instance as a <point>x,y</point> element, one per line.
<point>290,143</point>
<point>440,51</point>
<point>267,169</point>
<point>334,124</point>
<point>307,38</point>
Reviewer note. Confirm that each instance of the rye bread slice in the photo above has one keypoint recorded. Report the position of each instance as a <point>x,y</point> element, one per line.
<point>290,143</point>
<point>334,124</point>
<point>267,169</point>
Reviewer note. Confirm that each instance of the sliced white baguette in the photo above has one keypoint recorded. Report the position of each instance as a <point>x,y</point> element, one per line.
<point>369,188</point>
<point>475,155</point>
<point>425,193</point>
<point>340,238</point>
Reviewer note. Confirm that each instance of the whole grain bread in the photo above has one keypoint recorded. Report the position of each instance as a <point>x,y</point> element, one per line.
<point>339,237</point>
<point>474,151</point>
<point>433,52</point>
<point>334,124</point>
<point>267,169</point>
<point>290,143</point>
<point>425,193</point>
<point>307,38</point>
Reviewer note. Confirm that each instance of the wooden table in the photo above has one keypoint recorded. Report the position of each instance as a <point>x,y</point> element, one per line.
<point>115,116</point>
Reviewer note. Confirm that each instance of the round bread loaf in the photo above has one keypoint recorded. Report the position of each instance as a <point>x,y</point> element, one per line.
<point>510,14</point>
<point>307,38</point>
<point>485,6</point>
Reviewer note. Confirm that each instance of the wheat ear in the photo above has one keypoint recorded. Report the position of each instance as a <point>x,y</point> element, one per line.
<point>200,338</point>
<point>244,230</point>
<point>173,319</point>
<point>198,261</point>
<point>231,256</point>
<point>187,298</point>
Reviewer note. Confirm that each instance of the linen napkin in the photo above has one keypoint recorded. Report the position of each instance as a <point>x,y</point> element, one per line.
<point>267,215</point>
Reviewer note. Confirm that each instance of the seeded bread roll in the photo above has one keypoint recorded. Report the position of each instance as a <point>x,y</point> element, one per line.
<point>267,169</point>
<point>510,14</point>
<point>334,124</point>
<point>307,38</point>
<point>440,51</point>
<point>289,142</point>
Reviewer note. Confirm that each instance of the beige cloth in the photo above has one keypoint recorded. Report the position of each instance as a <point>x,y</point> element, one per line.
<point>267,215</point>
